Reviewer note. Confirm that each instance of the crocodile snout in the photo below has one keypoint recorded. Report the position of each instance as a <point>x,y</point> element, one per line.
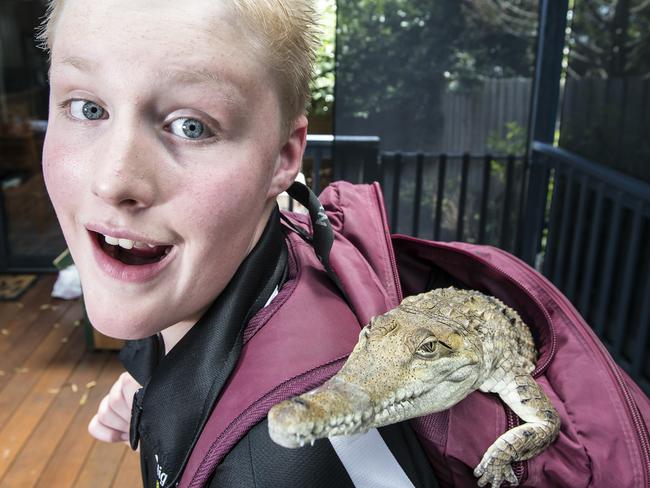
<point>332,409</point>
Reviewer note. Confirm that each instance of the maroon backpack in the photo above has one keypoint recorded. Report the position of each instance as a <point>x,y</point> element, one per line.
<point>603,440</point>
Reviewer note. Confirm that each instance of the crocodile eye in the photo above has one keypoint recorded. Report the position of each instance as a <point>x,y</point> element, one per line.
<point>428,348</point>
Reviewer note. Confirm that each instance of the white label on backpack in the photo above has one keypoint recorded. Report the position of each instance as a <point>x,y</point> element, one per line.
<point>162,477</point>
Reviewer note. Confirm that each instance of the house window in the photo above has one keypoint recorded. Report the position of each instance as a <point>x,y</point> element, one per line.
<point>31,233</point>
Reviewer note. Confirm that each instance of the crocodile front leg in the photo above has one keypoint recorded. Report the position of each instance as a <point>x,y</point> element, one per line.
<point>542,425</point>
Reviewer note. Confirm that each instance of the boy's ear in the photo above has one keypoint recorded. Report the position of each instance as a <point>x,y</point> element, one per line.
<point>290,158</point>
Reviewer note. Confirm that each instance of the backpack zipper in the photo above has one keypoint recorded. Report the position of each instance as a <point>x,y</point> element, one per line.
<point>389,242</point>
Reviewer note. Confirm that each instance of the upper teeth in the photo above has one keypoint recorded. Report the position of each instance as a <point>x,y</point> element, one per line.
<point>126,243</point>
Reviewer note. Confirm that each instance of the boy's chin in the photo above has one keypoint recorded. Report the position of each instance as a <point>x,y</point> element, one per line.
<point>113,325</point>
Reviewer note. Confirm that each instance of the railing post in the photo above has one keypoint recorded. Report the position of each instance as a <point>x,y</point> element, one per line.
<point>360,153</point>
<point>442,173</point>
<point>506,231</point>
<point>419,168</point>
<point>462,203</point>
<point>485,191</point>
<point>397,179</point>
<point>543,116</point>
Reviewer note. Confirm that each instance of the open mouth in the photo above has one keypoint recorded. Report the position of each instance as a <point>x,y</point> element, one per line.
<point>130,252</point>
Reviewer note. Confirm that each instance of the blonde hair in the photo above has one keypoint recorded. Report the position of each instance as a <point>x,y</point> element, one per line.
<point>284,31</point>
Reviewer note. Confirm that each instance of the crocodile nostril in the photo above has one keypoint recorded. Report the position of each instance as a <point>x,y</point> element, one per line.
<point>299,401</point>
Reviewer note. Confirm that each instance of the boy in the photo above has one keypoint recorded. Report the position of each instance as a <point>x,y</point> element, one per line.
<point>172,129</point>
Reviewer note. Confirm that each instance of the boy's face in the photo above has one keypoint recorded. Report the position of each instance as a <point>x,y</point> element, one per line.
<point>163,129</point>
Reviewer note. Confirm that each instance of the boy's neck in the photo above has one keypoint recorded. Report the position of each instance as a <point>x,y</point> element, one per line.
<point>174,333</point>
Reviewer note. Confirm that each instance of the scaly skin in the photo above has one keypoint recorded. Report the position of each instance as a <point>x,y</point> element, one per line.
<point>423,357</point>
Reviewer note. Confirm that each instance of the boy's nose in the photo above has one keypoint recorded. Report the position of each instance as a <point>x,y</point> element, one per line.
<point>124,175</point>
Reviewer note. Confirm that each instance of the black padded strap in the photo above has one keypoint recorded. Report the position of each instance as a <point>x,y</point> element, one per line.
<point>171,410</point>
<point>323,235</point>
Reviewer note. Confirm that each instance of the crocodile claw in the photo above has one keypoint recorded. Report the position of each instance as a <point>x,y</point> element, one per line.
<point>491,471</point>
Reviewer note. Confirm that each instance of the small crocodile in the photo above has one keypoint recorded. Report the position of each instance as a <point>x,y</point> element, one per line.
<point>425,356</point>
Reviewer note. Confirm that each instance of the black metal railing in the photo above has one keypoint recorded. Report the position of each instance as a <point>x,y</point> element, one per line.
<point>473,198</point>
<point>596,249</point>
<point>356,158</point>
<point>476,198</point>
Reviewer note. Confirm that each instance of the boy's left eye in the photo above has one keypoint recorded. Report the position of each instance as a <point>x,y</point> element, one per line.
<point>189,128</point>
<point>86,110</point>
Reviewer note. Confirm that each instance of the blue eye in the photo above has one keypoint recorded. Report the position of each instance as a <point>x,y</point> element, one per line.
<point>187,128</point>
<point>84,109</point>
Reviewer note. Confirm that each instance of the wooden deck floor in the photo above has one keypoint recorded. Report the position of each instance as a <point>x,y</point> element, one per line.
<point>50,387</point>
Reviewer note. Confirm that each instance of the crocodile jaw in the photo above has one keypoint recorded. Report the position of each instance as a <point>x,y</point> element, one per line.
<point>338,408</point>
<point>332,409</point>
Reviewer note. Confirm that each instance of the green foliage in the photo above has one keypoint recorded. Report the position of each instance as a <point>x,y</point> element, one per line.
<point>398,57</point>
<point>322,85</point>
<point>608,76</point>
<point>514,141</point>
<point>610,38</point>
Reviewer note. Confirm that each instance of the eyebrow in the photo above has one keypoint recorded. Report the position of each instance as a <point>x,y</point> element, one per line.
<point>201,76</point>
<point>181,76</point>
<point>191,76</point>
<point>82,64</point>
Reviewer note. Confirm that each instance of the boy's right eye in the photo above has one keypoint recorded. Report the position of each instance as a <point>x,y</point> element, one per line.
<point>86,110</point>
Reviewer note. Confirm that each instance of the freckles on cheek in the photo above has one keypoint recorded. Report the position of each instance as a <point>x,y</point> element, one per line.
<point>61,175</point>
<point>219,216</point>
<point>212,211</point>
<point>220,195</point>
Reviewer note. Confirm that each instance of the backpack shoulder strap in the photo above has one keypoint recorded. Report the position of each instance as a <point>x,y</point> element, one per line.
<point>362,254</point>
<point>350,236</point>
<point>283,355</point>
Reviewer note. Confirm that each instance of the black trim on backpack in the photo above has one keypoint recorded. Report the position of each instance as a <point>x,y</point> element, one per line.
<point>171,409</point>
<point>323,235</point>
